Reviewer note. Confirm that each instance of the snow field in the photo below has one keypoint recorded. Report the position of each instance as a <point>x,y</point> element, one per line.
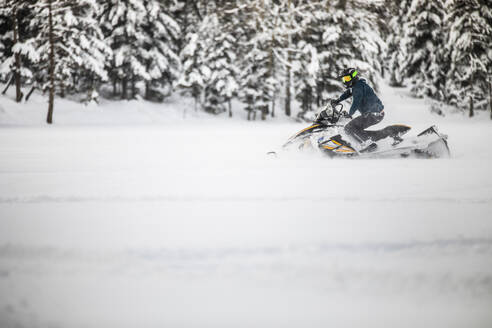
<point>175,222</point>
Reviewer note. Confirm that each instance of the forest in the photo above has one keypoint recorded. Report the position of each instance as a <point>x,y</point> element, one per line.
<point>184,164</point>
<point>265,54</point>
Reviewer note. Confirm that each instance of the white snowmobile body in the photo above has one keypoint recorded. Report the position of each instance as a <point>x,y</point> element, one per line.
<point>329,138</point>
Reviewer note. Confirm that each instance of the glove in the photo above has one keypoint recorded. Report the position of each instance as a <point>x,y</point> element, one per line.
<point>334,102</point>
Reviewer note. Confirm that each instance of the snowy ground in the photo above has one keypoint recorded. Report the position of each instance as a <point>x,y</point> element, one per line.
<point>130,215</point>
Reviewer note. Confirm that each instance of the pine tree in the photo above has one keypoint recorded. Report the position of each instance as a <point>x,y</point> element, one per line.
<point>424,43</point>
<point>122,27</point>
<point>17,54</point>
<point>219,57</point>
<point>194,73</point>
<point>187,16</point>
<point>160,47</point>
<point>397,52</point>
<point>143,37</point>
<point>344,33</point>
<point>273,28</point>
<point>305,69</point>
<point>190,47</point>
<point>361,40</point>
<point>289,21</point>
<point>258,83</point>
<point>324,34</point>
<point>82,60</point>
<point>469,45</point>
<point>304,55</point>
<point>69,41</point>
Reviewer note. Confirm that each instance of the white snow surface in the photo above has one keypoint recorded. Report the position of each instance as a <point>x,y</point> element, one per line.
<point>131,214</point>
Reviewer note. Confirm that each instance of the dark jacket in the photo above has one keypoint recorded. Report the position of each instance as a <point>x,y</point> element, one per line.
<point>364,98</point>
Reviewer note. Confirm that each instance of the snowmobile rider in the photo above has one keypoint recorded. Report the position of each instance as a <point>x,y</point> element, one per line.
<point>365,101</point>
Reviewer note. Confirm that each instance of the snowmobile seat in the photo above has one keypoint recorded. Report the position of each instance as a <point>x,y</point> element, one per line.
<point>394,131</point>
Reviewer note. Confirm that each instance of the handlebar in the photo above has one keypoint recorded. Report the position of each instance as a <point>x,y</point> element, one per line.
<point>336,114</point>
<point>335,108</point>
<point>337,111</point>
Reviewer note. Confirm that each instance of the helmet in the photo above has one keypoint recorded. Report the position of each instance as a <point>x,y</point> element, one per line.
<point>349,76</point>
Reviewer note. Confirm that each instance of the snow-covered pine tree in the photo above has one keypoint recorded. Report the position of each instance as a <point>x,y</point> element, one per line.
<point>209,54</point>
<point>346,35</point>
<point>272,53</point>
<point>361,39</point>
<point>424,41</point>
<point>229,22</point>
<point>70,43</point>
<point>380,11</point>
<point>11,61</point>
<point>220,59</point>
<point>469,47</point>
<point>162,62</point>
<point>187,16</point>
<point>143,37</point>
<point>396,51</point>
<point>257,64</point>
<point>16,54</point>
<point>85,53</point>
<point>190,47</point>
<point>270,38</point>
<point>193,70</point>
<point>305,69</point>
<point>288,23</point>
<point>4,41</point>
<point>324,32</point>
<point>305,60</point>
<point>122,25</point>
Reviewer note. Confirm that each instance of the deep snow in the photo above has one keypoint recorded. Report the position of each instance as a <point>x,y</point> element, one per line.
<point>134,215</point>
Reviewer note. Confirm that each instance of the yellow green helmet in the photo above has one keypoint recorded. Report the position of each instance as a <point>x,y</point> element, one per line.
<point>349,76</point>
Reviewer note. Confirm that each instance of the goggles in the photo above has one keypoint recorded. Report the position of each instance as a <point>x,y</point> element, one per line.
<point>348,78</point>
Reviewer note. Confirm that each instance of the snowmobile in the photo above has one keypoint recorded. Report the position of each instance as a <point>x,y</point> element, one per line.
<point>327,136</point>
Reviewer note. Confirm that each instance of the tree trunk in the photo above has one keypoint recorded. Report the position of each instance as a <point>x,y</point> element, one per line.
<point>250,107</point>
<point>289,60</point>
<point>147,90</point>
<point>18,92</point>
<point>273,106</point>
<point>134,89</point>
<point>272,72</point>
<point>9,83</point>
<point>490,96</point>
<point>62,89</point>
<point>471,106</point>
<point>123,88</point>
<point>287,91</point>
<point>49,119</point>
<point>393,81</point>
<point>30,93</point>
<point>230,108</point>
<point>115,91</point>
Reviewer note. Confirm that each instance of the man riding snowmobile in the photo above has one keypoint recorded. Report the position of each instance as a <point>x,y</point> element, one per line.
<point>366,102</point>
<point>332,127</point>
